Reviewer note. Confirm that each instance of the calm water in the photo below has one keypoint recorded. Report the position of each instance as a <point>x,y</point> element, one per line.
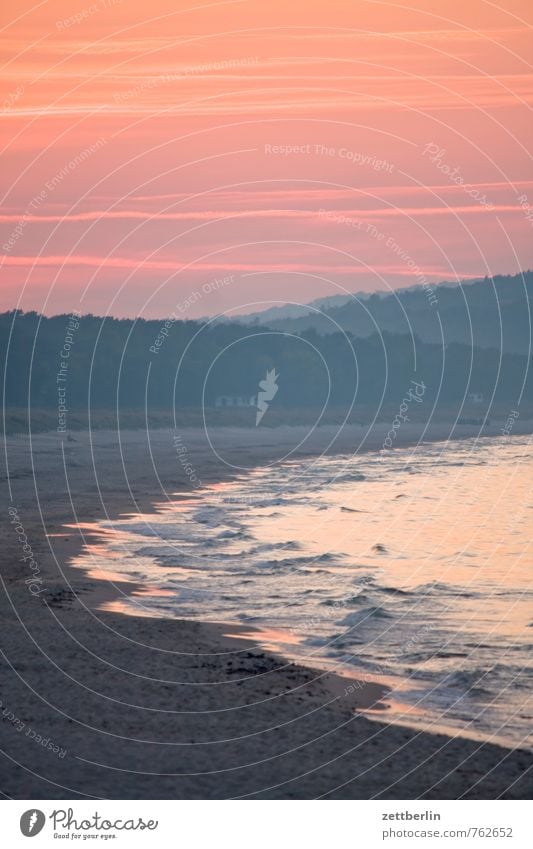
<point>411,567</point>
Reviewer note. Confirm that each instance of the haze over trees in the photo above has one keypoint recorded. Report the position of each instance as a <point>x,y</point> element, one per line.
<point>118,363</point>
<point>490,313</point>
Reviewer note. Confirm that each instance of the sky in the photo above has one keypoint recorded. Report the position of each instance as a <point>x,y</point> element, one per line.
<point>187,158</point>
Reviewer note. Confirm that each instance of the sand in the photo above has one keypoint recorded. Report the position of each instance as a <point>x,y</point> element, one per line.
<point>98,704</point>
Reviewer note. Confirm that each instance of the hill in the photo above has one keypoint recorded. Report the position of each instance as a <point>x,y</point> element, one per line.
<point>490,313</point>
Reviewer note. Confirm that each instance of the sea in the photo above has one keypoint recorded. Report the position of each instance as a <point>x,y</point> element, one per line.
<point>409,567</point>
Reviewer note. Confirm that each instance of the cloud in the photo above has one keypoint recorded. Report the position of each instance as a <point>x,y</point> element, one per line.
<point>225,214</point>
<point>114,262</point>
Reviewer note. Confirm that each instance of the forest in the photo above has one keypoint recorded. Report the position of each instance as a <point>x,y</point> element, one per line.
<point>494,312</point>
<point>93,363</point>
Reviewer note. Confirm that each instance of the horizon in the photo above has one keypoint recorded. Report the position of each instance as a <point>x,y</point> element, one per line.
<point>243,312</point>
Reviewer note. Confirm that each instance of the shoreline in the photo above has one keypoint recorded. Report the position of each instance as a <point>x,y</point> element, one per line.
<point>146,502</point>
<point>106,597</point>
<point>86,592</point>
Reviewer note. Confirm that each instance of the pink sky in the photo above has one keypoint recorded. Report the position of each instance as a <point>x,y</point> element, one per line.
<point>304,149</point>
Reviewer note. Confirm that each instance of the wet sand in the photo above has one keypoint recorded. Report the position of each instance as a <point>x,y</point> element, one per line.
<point>154,708</point>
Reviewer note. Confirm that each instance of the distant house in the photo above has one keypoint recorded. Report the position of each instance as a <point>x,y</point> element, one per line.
<point>475,397</point>
<point>236,401</point>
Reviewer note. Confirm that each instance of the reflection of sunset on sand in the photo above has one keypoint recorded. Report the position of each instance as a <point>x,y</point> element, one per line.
<point>151,672</point>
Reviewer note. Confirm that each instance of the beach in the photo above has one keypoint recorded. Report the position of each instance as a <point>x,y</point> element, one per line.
<point>99,704</point>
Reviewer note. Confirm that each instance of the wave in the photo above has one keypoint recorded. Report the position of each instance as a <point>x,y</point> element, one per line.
<point>438,588</point>
<point>291,545</point>
<point>359,616</point>
<point>298,561</point>
<point>349,477</point>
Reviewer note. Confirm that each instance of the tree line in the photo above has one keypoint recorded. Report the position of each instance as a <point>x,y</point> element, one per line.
<point>105,363</point>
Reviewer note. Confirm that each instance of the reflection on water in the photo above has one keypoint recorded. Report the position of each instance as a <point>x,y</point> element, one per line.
<point>411,567</point>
